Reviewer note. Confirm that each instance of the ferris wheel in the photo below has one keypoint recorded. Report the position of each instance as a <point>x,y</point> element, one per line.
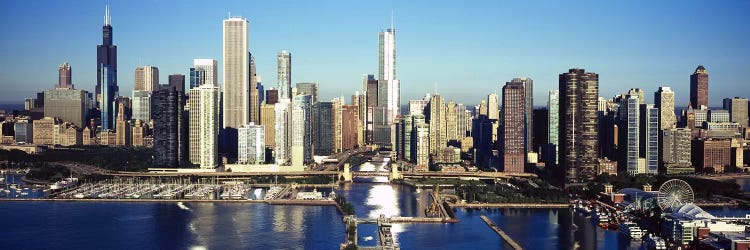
<point>674,193</point>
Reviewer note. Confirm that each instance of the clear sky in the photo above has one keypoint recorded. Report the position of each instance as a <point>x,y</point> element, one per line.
<point>462,49</point>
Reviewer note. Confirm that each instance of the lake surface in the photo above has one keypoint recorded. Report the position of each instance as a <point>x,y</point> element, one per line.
<point>197,225</point>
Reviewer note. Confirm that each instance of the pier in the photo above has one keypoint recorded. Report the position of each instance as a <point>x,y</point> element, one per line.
<point>502,234</point>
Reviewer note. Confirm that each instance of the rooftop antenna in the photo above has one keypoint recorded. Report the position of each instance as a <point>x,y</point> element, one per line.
<point>107,19</point>
<point>229,14</point>
<point>392,29</point>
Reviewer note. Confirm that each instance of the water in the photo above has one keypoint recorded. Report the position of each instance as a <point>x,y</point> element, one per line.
<point>19,190</point>
<point>173,225</point>
<point>110,225</point>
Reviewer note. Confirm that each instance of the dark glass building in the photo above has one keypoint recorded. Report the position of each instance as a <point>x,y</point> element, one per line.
<point>170,126</point>
<point>323,129</point>
<point>106,73</point>
<point>579,121</point>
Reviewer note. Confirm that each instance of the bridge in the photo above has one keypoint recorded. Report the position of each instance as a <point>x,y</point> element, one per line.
<point>346,174</point>
<point>370,174</point>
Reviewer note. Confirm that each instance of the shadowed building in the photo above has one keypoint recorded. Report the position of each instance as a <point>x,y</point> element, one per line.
<point>65,76</point>
<point>699,87</point>
<point>513,144</point>
<point>323,128</point>
<point>349,120</point>
<point>177,81</point>
<point>170,146</point>
<point>578,146</point>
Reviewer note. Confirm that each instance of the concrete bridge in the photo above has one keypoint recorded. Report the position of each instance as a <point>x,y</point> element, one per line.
<point>348,175</point>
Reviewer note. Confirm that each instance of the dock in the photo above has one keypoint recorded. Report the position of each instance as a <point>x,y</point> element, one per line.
<point>502,234</point>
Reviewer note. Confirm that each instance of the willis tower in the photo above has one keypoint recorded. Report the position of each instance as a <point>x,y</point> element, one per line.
<point>106,74</point>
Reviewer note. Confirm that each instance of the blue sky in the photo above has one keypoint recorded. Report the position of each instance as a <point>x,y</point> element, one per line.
<point>464,49</point>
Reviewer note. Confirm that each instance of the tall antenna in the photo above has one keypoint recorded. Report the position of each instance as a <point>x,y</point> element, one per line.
<point>107,19</point>
<point>392,20</point>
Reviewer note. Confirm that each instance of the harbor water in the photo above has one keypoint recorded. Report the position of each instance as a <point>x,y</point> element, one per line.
<point>225,225</point>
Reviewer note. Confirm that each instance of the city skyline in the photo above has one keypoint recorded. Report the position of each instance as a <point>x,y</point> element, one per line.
<point>647,61</point>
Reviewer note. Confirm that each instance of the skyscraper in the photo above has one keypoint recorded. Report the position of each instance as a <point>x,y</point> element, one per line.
<point>371,100</point>
<point>422,142</point>
<point>302,130</point>
<point>284,72</point>
<point>389,89</point>
<point>438,136</point>
<point>204,125</point>
<point>283,128</point>
<point>699,88</point>
<point>349,120</point>
<point>177,82</point>
<point>236,73</point>
<point>68,105</point>
<point>664,101</point>
<point>553,107</point>
<point>146,78</point>
<point>632,118</point>
<point>308,88</point>
<point>451,122</point>
<point>255,95</point>
<point>513,150</point>
<point>649,145</point>
<point>737,110</point>
<point>123,127</point>
<point>142,105</point>
<point>251,148</point>
<point>108,93</point>
<point>578,146</point>
<point>106,56</point>
<point>338,104</point>
<point>65,79</point>
<point>387,55</point>
<point>169,127</point>
<point>204,71</point>
<point>493,113</point>
<point>323,128</point>
<point>268,121</point>
<point>528,85</point>
<point>272,96</point>
<point>676,150</point>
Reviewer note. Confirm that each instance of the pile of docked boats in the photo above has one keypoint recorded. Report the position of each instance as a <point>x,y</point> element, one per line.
<point>605,217</point>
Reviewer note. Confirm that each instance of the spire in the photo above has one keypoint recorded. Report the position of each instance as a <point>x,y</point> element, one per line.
<point>107,19</point>
<point>392,19</point>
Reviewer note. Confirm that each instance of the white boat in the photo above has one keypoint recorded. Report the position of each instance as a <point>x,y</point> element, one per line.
<point>630,229</point>
<point>64,183</point>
